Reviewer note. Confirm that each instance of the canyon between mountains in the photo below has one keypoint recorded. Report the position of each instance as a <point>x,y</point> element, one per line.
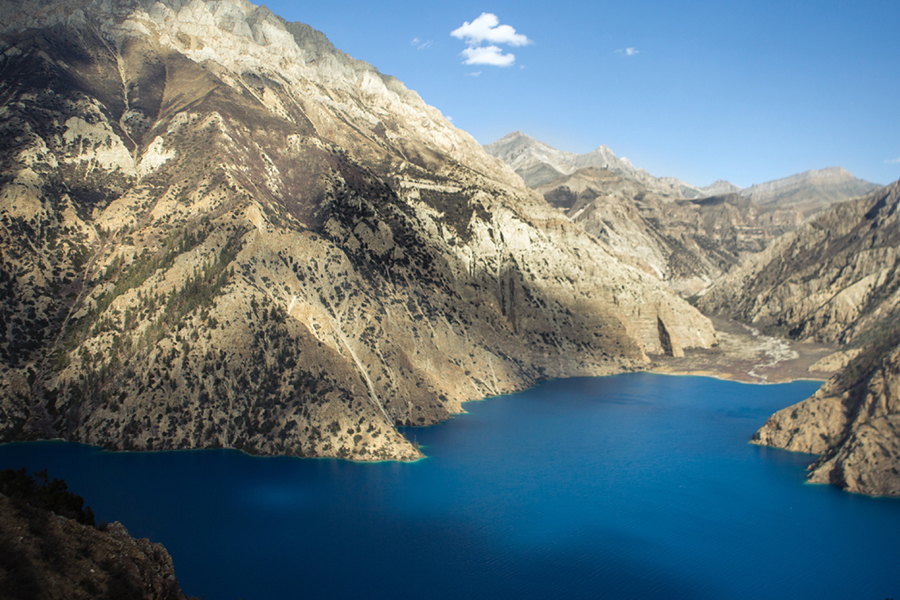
<point>218,231</point>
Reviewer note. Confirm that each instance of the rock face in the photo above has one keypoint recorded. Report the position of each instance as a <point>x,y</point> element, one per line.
<point>46,556</point>
<point>686,243</point>
<point>219,231</point>
<point>853,421</point>
<point>540,164</point>
<point>833,279</point>
<point>809,191</point>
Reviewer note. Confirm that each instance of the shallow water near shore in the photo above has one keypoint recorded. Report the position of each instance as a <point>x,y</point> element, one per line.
<point>631,486</point>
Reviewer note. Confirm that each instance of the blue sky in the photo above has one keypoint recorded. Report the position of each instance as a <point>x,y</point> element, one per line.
<point>699,90</point>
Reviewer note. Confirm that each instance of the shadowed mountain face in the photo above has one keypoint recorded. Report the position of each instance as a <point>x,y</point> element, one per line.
<point>220,231</point>
<point>50,548</point>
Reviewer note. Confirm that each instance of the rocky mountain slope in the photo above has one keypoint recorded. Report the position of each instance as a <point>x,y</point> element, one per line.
<point>219,231</point>
<point>834,279</point>
<point>853,422</point>
<point>49,556</point>
<point>809,191</point>
<point>540,164</point>
<point>686,243</point>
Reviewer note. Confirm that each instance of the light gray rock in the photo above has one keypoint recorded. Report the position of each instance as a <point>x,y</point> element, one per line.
<point>809,191</point>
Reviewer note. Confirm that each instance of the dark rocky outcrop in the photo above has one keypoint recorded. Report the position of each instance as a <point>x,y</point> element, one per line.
<point>45,555</point>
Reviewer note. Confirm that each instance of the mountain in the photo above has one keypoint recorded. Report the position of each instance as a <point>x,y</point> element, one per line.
<point>50,548</point>
<point>539,164</point>
<point>720,187</point>
<point>834,279</point>
<point>809,191</point>
<point>686,243</point>
<point>220,231</point>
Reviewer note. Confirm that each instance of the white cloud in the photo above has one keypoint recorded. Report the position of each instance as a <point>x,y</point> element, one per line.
<point>893,162</point>
<point>473,74</point>
<point>487,55</point>
<point>628,52</point>
<point>487,28</point>
<point>420,45</point>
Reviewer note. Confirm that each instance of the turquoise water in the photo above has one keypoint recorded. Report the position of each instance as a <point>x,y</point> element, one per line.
<point>633,486</point>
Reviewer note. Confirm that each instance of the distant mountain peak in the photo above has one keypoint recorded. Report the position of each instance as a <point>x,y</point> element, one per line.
<point>811,189</point>
<point>539,164</point>
<point>720,187</point>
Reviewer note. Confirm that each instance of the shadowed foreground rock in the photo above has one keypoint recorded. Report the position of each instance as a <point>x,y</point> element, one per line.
<point>44,556</point>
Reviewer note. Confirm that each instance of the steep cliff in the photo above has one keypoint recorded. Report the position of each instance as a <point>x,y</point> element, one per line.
<point>218,230</point>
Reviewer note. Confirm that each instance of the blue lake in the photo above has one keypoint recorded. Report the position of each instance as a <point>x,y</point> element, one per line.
<point>632,486</point>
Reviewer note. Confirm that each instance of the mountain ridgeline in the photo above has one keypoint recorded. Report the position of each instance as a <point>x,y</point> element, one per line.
<point>687,236</point>
<point>219,231</point>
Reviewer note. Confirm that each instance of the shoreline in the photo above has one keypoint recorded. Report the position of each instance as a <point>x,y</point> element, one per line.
<point>745,355</point>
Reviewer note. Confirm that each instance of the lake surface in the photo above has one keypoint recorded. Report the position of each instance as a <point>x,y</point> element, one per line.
<point>632,486</point>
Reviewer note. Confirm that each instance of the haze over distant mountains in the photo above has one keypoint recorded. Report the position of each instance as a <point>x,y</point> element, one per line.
<point>540,164</point>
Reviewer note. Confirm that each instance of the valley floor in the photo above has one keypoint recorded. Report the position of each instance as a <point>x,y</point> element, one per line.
<point>744,354</point>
